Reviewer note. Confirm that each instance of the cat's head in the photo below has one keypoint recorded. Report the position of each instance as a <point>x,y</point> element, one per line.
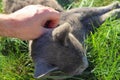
<point>58,49</point>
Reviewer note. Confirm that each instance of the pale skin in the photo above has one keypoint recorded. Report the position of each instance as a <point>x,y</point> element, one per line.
<point>28,23</point>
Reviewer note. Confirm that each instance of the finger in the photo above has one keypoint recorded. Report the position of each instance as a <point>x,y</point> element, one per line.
<point>53,23</point>
<point>50,17</point>
<point>53,19</point>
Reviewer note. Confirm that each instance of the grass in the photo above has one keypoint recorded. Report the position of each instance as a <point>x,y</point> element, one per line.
<point>103,48</point>
<point>103,51</point>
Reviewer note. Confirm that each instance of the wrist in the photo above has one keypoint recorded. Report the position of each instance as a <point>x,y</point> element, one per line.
<point>7,26</point>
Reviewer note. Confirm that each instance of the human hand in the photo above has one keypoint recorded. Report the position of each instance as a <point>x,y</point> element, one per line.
<point>28,22</point>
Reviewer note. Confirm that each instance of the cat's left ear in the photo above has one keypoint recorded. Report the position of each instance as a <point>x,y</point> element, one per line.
<point>61,32</point>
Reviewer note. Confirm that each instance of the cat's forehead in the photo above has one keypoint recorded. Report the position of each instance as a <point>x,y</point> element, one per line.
<point>45,39</point>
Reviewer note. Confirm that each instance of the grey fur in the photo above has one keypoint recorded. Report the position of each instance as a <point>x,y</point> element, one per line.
<point>13,5</point>
<point>63,47</point>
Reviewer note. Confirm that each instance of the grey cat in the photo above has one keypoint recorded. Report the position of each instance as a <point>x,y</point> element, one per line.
<point>63,48</point>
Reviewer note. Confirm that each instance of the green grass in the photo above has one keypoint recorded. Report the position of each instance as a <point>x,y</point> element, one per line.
<point>103,48</point>
<point>103,51</point>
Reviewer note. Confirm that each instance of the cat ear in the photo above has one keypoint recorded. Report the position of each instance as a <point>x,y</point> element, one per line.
<point>77,45</point>
<point>61,32</point>
<point>42,68</point>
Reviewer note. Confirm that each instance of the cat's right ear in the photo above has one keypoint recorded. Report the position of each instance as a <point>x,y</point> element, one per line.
<point>43,68</point>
